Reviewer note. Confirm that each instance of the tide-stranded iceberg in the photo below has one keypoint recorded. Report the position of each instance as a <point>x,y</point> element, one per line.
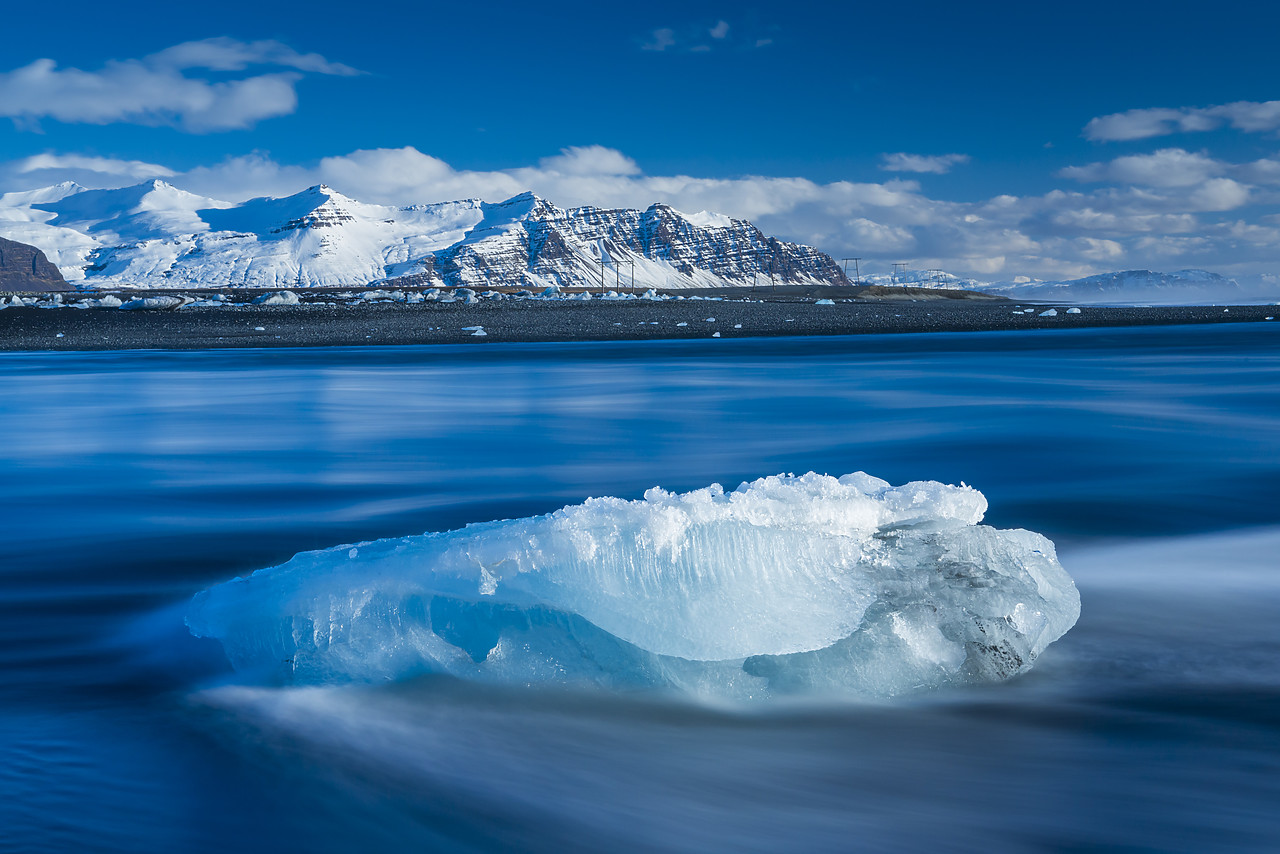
<point>787,585</point>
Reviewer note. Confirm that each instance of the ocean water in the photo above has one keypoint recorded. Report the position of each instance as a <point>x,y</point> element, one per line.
<point>131,481</point>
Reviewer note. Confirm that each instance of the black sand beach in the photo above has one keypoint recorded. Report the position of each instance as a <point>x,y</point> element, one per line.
<point>511,320</point>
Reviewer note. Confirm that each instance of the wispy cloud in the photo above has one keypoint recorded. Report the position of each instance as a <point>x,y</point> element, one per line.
<point>939,164</point>
<point>1168,167</point>
<point>702,38</point>
<point>226,54</point>
<point>157,90</point>
<point>63,163</point>
<point>660,40</point>
<point>1247,116</point>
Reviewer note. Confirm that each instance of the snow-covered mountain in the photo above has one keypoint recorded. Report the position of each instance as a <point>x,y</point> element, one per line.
<point>1129,286</point>
<point>156,235</point>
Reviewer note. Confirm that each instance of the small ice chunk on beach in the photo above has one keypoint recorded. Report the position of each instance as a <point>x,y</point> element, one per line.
<point>1053,312</point>
<point>277,298</point>
<point>825,302</point>
<point>151,303</point>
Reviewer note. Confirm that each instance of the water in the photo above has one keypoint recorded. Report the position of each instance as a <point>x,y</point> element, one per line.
<point>129,481</point>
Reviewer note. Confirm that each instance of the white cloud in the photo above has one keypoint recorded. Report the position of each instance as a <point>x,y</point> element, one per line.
<point>1174,178</point>
<point>1099,249</point>
<point>1173,247</point>
<point>1247,116</point>
<point>1219,194</point>
<point>701,38</point>
<point>62,163</point>
<point>226,54</point>
<point>1264,171</point>
<point>155,91</point>
<point>589,160</point>
<point>1168,167</point>
<point>938,164</point>
<point>660,40</point>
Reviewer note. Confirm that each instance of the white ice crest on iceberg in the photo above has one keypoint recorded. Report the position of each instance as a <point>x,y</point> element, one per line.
<point>808,584</point>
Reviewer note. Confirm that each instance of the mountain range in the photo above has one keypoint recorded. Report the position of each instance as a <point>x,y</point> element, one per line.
<point>1125,286</point>
<point>157,235</point>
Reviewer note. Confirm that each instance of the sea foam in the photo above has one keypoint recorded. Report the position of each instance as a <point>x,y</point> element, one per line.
<point>786,585</point>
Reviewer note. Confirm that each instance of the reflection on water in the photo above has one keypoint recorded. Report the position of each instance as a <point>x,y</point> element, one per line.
<point>129,481</point>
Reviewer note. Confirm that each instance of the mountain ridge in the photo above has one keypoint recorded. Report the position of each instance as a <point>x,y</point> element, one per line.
<point>156,235</point>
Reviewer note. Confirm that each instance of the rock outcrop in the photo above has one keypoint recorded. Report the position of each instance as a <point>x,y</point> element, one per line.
<point>24,268</point>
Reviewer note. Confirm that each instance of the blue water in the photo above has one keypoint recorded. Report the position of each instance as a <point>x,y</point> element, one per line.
<point>129,481</point>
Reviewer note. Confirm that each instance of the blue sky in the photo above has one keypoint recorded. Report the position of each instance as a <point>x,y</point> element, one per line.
<point>1000,140</point>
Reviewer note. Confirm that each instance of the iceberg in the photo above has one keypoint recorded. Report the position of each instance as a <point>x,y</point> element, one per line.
<point>277,298</point>
<point>787,585</point>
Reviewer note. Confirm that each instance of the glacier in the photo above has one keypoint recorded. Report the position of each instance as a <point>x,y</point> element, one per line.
<point>786,586</point>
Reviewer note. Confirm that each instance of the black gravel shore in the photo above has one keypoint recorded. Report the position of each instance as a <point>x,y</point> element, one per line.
<point>509,320</point>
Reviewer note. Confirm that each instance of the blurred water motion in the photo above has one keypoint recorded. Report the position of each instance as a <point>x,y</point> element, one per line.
<point>130,480</point>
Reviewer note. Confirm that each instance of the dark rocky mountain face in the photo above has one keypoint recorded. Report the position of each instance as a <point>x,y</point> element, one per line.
<point>24,268</point>
<point>566,246</point>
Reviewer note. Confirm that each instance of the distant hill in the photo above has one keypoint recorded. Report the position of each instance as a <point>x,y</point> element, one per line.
<point>1144,286</point>
<point>1126,286</point>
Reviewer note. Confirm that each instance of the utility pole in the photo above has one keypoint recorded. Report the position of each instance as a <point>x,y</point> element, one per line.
<point>602,268</point>
<point>896,271</point>
<point>856,277</point>
<point>632,262</point>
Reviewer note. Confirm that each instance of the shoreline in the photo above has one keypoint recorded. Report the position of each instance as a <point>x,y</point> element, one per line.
<point>531,321</point>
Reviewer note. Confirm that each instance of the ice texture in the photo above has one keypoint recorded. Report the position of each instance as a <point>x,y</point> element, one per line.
<point>786,585</point>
